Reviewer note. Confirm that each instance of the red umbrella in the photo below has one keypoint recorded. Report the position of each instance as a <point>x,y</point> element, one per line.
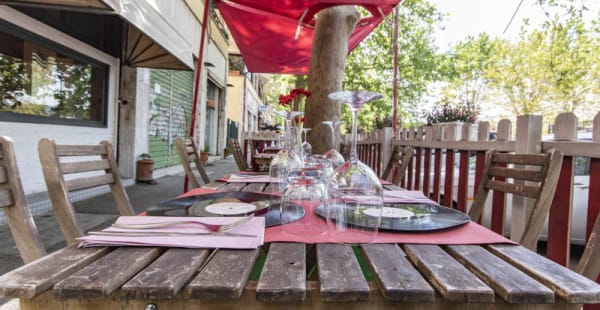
<point>276,36</point>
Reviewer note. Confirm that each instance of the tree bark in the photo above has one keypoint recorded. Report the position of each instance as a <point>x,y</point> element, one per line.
<point>329,51</point>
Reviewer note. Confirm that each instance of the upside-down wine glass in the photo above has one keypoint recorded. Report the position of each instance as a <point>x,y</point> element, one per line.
<point>333,155</point>
<point>356,205</point>
<point>286,159</point>
<point>306,147</point>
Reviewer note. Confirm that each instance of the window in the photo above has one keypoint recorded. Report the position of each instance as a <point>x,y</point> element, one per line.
<point>43,82</point>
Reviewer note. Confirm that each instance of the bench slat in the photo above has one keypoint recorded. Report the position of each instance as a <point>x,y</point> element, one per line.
<point>6,198</point>
<point>567,284</point>
<point>449,277</point>
<point>82,183</point>
<point>405,284</point>
<point>107,274</point>
<point>225,275</point>
<point>284,274</point>
<point>507,281</point>
<point>340,274</point>
<point>519,189</point>
<point>519,174</point>
<point>35,278</point>
<point>84,166</point>
<point>3,177</point>
<point>521,159</point>
<point>80,150</point>
<point>165,277</point>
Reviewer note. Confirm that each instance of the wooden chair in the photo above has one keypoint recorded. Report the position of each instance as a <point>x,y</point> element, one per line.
<point>589,264</point>
<point>238,155</point>
<point>12,201</point>
<point>400,158</point>
<point>99,171</point>
<point>188,154</point>
<point>540,186</point>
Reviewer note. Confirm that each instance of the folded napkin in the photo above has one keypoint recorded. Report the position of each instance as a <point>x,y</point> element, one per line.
<point>187,235</point>
<point>406,197</point>
<point>248,178</point>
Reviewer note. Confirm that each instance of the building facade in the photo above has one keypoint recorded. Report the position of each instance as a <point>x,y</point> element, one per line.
<point>114,70</point>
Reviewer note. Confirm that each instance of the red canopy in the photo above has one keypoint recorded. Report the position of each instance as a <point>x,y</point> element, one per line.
<point>276,36</point>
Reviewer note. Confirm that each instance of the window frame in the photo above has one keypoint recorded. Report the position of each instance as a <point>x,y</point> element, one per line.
<point>27,35</point>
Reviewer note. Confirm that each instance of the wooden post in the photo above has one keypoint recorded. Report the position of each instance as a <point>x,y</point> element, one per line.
<point>483,132</point>
<point>528,141</point>
<point>505,130</point>
<point>559,221</point>
<point>386,146</point>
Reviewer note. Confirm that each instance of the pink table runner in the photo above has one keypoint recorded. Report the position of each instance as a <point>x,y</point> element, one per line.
<point>470,233</point>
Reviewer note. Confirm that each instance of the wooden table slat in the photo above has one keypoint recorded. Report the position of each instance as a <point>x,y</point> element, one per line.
<point>340,274</point>
<point>233,187</point>
<point>165,277</point>
<point>450,278</point>
<point>106,274</point>
<point>35,278</point>
<point>508,282</point>
<point>283,277</point>
<point>405,283</point>
<point>225,275</point>
<point>567,284</point>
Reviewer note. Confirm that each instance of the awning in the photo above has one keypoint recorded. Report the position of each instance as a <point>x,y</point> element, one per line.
<point>276,36</point>
<point>150,42</point>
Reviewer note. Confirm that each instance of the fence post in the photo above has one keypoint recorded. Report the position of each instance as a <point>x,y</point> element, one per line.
<point>483,132</point>
<point>565,127</point>
<point>528,140</point>
<point>386,146</point>
<point>505,130</point>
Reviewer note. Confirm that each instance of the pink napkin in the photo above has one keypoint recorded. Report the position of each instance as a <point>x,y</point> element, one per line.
<point>406,197</point>
<point>249,178</point>
<point>470,233</point>
<point>254,227</point>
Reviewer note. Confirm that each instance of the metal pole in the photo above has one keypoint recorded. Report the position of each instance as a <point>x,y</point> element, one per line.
<point>395,76</point>
<point>207,6</point>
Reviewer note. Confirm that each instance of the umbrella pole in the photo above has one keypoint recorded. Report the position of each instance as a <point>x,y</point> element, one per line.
<point>395,76</point>
<point>207,6</point>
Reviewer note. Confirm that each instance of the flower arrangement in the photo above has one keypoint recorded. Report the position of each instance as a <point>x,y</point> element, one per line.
<point>452,113</point>
<point>297,122</point>
<point>285,100</point>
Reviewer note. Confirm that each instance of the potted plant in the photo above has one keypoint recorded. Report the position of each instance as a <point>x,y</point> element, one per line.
<point>204,155</point>
<point>226,152</point>
<point>144,168</point>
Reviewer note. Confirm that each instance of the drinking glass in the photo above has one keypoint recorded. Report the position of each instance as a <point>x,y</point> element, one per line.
<point>306,147</point>
<point>302,194</point>
<point>356,198</point>
<point>333,155</point>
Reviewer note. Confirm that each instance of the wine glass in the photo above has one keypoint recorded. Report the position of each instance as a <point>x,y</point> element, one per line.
<point>286,158</point>
<point>354,213</point>
<point>306,147</point>
<point>303,193</point>
<point>333,155</point>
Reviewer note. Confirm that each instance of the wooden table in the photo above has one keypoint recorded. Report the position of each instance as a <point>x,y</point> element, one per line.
<point>404,276</point>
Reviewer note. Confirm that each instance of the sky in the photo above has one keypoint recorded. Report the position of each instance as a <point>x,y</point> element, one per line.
<point>471,17</point>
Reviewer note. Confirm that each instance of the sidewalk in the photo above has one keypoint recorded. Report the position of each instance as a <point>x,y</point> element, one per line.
<point>98,212</point>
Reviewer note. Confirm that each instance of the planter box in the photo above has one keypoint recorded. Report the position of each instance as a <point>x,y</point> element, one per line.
<point>452,131</point>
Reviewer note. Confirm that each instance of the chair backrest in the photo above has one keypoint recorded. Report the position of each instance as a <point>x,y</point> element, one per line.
<point>188,154</point>
<point>12,201</point>
<point>400,158</point>
<point>589,264</point>
<point>538,184</point>
<point>99,166</point>
<point>238,155</point>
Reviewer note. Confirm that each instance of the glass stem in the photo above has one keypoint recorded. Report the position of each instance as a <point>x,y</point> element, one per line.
<point>287,136</point>
<point>354,134</point>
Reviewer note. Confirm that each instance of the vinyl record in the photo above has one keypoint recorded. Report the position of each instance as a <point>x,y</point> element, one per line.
<point>403,217</point>
<point>223,204</point>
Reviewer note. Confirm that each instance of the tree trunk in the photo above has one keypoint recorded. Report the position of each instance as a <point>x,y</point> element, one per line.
<point>329,51</point>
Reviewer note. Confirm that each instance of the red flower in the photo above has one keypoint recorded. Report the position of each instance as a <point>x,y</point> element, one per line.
<point>287,99</point>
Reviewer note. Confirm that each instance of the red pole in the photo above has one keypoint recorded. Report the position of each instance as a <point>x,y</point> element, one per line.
<point>207,5</point>
<point>395,78</point>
